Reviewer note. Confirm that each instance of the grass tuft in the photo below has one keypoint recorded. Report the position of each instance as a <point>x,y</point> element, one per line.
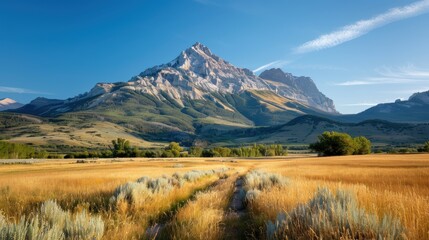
<point>51,222</point>
<point>329,216</point>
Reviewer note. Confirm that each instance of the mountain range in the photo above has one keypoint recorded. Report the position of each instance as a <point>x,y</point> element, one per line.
<point>197,96</point>
<point>413,110</point>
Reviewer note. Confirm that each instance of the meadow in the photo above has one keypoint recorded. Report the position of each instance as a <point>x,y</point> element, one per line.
<point>376,196</point>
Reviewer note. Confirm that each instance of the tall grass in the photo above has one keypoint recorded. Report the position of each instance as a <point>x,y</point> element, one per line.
<point>329,216</point>
<point>144,189</point>
<point>138,204</point>
<point>256,181</point>
<point>51,222</point>
<point>262,180</point>
<point>201,218</point>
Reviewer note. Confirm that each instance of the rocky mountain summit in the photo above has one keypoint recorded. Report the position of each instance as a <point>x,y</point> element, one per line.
<point>302,89</point>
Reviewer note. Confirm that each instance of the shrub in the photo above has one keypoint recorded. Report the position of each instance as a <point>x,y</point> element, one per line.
<point>328,216</point>
<point>52,222</point>
<point>257,181</point>
<point>261,180</point>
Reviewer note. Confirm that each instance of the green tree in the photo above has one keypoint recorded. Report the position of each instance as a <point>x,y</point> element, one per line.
<point>426,146</point>
<point>18,151</point>
<point>196,151</point>
<point>168,154</point>
<point>334,144</point>
<point>222,152</point>
<point>121,148</point>
<point>362,146</point>
<point>174,148</point>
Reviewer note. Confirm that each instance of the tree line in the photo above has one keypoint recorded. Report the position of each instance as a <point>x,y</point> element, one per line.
<point>10,150</point>
<point>328,144</point>
<point>122,148</point>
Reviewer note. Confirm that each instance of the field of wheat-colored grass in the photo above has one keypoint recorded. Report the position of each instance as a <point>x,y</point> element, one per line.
<point>382,185</point>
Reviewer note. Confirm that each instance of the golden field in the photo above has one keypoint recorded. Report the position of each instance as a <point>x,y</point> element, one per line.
<point>394,185</point>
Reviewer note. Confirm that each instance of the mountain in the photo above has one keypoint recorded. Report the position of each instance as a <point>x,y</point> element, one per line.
<point>301,89</point>
<point>196,92</point>
<point>413,110</point>
<point>195,75</point>
<point>7,103</point>
<point>196,96</point>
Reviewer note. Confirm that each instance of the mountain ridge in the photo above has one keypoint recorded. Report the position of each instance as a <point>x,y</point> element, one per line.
<point>413,110</point>
<point>302,89</point>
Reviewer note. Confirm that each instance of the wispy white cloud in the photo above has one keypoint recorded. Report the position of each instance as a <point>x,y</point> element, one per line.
<point>278,63</point>
<point>362,27</point>
<point>19,90</point>
<point>317,67</point>
<point>378,81</point>
<point>403,75</point>
<point>409,71</point>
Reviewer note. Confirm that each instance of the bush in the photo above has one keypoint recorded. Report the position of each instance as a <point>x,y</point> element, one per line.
<point>328,216</point>
<point>257,181</point>
<point>261,180</point>
<point>52,222</point>
<point>338,144</point>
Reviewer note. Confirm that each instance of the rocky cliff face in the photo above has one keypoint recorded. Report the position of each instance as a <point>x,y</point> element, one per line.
<point>302,89</point>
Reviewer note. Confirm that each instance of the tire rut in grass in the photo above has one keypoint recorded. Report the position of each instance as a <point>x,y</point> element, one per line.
<point>153,232</point>
<point>236,219</point>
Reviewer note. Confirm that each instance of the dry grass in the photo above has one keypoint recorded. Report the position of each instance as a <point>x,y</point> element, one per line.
<point>202,217</point>
<point>396,185</point>
<point>133,221</point>
<point>90,186</point>
<point>383,184</point>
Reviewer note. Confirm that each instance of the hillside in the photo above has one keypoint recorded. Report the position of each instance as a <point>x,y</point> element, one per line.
<point>305,129</point>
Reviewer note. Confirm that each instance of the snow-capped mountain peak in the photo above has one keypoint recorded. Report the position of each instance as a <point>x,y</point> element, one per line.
<point>8,103</point>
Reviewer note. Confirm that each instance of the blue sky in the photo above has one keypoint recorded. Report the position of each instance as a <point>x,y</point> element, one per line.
<point>358,52</point>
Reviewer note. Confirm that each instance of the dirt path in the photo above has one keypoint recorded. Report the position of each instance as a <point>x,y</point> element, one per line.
<point>235,220</point>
